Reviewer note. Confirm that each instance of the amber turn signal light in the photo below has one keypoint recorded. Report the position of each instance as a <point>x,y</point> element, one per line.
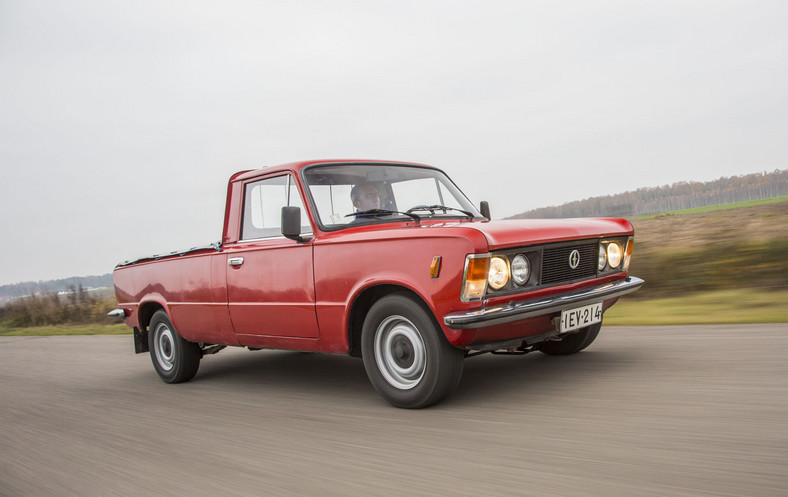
<point>628,253</point>
<point>474,281</point>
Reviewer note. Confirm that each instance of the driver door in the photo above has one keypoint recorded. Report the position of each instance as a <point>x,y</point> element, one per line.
<point>270,285</point>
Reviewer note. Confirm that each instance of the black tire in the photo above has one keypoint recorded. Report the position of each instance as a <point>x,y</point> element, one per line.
<point>571,344</point>
<point>408,359</point>
<point>174,359</point>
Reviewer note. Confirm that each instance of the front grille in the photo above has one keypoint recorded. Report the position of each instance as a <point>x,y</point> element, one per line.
<point>555,263</point>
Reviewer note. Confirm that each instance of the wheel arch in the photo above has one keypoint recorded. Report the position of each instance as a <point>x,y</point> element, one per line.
<point>147,310</point>
<point>363,302</point>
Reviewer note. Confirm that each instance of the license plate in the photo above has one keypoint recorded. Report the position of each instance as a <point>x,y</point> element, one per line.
<point>580,317</point>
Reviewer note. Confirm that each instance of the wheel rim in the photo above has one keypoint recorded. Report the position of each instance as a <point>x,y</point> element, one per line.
<point>164,347</point>
<point>400,353</point>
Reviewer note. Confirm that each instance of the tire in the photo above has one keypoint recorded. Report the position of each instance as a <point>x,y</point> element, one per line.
<point>408,359</point>
<point>571,344</point>
<point>174,359</point>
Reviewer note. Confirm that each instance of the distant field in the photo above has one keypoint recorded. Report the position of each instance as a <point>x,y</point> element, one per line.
<point>716,208</point>
<point>744,247</point>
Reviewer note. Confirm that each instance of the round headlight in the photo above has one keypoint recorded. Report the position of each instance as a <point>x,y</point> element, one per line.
<point>499,273</point>
<point>602,258</point>
<point>614,254</point>
<point>521,269</point>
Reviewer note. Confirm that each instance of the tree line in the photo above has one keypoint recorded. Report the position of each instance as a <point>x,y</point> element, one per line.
<point>26,288</point>
<point>678,196</point>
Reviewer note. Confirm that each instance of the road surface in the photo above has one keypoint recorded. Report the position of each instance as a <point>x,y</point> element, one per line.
<point>645,411</point>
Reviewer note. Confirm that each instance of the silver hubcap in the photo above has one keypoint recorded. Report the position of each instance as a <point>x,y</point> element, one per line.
<point>400,353</point>
<point>164,347</point>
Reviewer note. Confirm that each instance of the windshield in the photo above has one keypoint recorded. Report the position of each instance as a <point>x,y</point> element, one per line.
<point>375,193</point>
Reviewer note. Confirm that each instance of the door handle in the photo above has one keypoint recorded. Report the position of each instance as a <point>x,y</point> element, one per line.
<point>235,261</point>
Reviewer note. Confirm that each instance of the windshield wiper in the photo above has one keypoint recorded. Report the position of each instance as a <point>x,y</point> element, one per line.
<point>383,212</point>
<point>433,208</point>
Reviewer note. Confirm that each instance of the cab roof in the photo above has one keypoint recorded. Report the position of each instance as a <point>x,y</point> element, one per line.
<point>296,167</point>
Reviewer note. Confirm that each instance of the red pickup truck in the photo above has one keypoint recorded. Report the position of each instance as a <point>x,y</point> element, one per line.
<point>386,261</point>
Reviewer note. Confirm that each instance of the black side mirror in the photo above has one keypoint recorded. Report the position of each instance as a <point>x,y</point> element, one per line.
<point>291,224</point>
<point>484,208</point>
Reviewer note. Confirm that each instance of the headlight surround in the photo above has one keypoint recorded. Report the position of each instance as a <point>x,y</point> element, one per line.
<point>602,258</point>
<point>521,269</point>
<point>498,275</point>
<point>614,254</point>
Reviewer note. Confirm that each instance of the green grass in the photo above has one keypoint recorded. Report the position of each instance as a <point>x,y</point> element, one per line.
<point>86,329</point>
<point>719,307</point>
<point>713,208</point>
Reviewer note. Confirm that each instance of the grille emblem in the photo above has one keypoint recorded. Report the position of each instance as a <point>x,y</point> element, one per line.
<point>574,259</point>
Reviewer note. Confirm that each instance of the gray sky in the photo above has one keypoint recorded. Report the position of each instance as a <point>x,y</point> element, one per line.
<point>121,121</point>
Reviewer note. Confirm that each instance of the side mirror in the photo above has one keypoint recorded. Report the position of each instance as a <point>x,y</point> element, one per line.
<point>484,208</point>
<point>291,224</point>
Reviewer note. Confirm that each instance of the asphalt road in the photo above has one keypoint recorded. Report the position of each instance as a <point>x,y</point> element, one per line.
<point>644,411</point>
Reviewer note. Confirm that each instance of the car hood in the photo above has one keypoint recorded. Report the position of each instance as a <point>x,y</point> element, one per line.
<point>518,232</point>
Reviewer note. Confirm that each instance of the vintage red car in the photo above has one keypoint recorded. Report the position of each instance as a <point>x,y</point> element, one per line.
<point>386,261</point>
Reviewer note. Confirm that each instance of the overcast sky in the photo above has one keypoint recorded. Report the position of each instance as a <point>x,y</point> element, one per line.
<point>121,121</point>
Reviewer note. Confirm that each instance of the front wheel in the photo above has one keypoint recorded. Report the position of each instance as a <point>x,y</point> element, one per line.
<point>408,359</point>
<point>174,359</point>
<point>570,344</point>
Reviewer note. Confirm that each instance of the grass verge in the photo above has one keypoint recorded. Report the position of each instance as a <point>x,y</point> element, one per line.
<point>720,307</point>
<point>71,329</point>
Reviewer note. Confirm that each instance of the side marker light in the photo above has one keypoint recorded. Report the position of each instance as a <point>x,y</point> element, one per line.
<point>435,267</point>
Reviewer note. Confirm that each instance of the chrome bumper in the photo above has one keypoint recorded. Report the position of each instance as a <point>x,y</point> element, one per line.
<point>502,314</point>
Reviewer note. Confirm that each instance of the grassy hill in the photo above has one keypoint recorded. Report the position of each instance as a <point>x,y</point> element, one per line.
<point>746,247</point>
<point>681,195</point>
<point>724,265</point>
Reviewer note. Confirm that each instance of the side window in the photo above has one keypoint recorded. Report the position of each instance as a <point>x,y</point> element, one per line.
<point>263,202</point>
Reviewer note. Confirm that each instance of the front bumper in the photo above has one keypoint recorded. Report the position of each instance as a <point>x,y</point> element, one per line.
<point>503,314</point>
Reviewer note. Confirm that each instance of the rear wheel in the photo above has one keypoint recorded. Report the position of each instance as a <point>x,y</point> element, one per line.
<point>408,359</point>
<point>174,359</point>
<point>570,344</point>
